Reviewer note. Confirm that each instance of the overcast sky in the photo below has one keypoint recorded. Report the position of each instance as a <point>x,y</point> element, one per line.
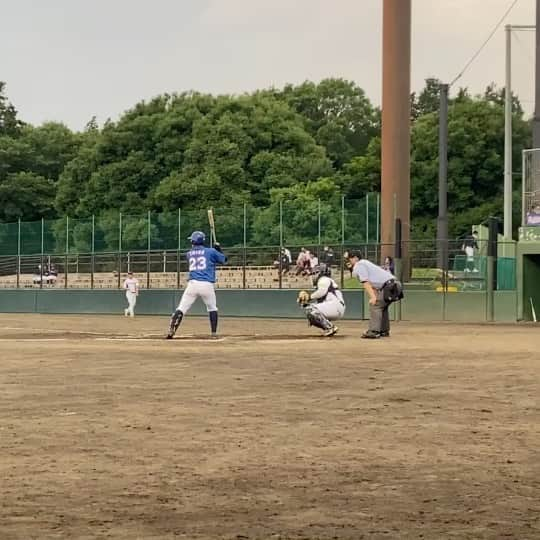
<point>68,60</point>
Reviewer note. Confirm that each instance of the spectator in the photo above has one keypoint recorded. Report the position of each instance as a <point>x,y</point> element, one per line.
<point>288,255</point>
<point>313,262</point>
<point>284,261</point>
<point>303,262</point>
<point>388,265</point>
<point>327,256</point>
<point>533,216</point>
<point>469,245</point>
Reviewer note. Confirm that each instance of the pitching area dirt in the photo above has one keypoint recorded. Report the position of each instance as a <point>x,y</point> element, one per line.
<point>109,431</point>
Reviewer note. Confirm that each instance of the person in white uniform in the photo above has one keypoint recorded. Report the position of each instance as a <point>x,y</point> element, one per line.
<point>131,286</point>
<point>325,304</point>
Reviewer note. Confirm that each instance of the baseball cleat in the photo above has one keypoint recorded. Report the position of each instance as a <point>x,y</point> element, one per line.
<point>384,334</point>
<point>331,331</point>
<point>169,336</point>
<point>125,312</point>
<point>370,334</point>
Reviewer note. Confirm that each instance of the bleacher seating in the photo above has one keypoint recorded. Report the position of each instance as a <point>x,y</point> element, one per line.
<point>229,277</point>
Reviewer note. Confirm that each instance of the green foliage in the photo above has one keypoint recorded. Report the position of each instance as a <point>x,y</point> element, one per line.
<point>9,123</point>
<point>300,213</point>
<point>363,173</point>
<point>298,149</point>
<point>26,194</point>
<point>337,114</point>
<point>475,163</point>
<point>427,101</point>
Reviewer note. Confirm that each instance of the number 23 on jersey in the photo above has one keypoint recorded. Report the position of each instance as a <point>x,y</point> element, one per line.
<point>197,263</point>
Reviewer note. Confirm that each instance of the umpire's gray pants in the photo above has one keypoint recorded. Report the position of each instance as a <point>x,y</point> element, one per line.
<point>379,321</point>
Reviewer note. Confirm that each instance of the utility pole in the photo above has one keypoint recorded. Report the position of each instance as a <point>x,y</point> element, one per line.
<point>442,220</point>
<point>508,137</point>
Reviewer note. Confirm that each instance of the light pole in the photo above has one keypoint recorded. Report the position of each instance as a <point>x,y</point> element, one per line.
<point>509,28</point>
<point>442,220</point>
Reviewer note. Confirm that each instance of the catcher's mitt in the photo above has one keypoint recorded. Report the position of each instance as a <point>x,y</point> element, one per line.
<point>303,298</point>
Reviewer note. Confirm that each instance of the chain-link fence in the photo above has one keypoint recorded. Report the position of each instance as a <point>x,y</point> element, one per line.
<point>284,222</point>
<point>263,246</point>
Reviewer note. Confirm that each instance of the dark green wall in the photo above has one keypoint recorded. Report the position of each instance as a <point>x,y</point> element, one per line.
<point>417,305</point>
<point>531,285</point>
<point>528,267</point>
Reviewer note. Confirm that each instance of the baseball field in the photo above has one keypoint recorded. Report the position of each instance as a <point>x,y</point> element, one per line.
<point>271,432</point>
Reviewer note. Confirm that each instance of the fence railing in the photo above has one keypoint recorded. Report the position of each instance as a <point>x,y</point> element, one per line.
<point>257,267</point>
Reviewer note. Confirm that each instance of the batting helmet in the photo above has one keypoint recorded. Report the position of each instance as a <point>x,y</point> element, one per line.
<point>197,238</point>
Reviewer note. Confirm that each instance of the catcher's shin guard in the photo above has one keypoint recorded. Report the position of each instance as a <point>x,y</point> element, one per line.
<point>176,319</point>
<point>213,316</point>
<point>316,318</point>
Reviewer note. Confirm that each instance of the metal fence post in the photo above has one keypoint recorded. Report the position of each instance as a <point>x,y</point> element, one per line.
<point>491,273</point>
<point>119,247</point>
<point>319,227</point>
<point>19,253</point>
<point>342,276</point>
<point>178,250</point>
<point>93,257</point>
<point>42,249</point>
<point>377,221</point>
<point>148,246</point>
<point>244,251</point>
<point>66,269</point>
<point>367,219</point>
<point>42,235</point>
<point>398,245</point>
<point>280,242</point>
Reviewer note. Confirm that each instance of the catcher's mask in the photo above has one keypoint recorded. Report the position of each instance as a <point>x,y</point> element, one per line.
<point>319,271</point>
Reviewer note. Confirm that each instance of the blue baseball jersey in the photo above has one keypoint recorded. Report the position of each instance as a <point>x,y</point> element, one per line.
<point>202,263</point>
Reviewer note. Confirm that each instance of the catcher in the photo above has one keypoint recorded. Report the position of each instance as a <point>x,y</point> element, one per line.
<point>325,304</point>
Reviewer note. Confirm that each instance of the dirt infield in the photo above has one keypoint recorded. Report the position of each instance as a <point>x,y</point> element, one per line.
<point>109,431</point>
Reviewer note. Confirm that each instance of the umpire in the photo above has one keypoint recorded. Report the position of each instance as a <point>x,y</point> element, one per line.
<point>382,288</point>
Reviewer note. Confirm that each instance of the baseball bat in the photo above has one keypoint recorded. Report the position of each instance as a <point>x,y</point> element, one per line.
<point>212,226</point>
<point>532,309</point>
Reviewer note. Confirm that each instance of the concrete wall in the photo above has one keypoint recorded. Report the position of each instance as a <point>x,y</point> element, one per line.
<point>417,305</point>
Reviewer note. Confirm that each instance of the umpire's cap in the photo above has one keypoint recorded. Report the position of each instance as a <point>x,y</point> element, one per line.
<point>354,253</point>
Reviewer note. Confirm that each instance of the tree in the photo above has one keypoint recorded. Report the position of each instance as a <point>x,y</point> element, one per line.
<point>26,195</point>
<point>475,162</point>
<point>363,173</point>
<point>9,123</point>
<point>300,206</point>
<point>337,114</point>
<point>427,101</point>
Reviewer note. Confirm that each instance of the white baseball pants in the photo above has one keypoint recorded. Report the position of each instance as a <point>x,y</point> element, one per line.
<point>132,300</point>
<point>331,309</point>
<point>198,289</point>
